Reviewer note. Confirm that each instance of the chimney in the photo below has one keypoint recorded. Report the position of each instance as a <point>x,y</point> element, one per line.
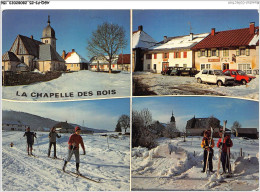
<point>63,54</point>
<point>140,28</point>
<point>164,39</point>
<point>73,50</point>
<point>31,36</point>
<point>191,36</point>
<point>252,28</point>
<point>212,31</point>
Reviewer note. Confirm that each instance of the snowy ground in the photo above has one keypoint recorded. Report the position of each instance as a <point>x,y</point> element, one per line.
<point>176,165</point>
<point>21,172</point>
<point>183,85</point>
<point>72,86</point>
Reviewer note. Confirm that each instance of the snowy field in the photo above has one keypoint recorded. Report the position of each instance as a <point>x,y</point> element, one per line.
<point>73,86</point>
<point>176,165</point>
<point>21,172</point>
<point>183,85</point>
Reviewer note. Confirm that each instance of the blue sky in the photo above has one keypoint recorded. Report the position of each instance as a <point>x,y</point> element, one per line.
<point>159,23</point>
<point>184,108</point>
<point>97,114</point>
<point>72,27</point>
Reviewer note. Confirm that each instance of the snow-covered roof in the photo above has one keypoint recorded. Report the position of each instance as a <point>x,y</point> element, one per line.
<point>180,42</point>
<point>74,57</point>
<point>254,40</point>
<point>102,61</point>
<point>142,40</point>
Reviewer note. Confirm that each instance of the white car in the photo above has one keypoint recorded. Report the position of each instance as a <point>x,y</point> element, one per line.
<point>214,76</point>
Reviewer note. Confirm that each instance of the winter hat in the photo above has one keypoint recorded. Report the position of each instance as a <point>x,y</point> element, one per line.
<point>77,128</point>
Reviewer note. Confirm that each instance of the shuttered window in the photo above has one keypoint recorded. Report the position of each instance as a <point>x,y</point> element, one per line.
<point>185,54</point>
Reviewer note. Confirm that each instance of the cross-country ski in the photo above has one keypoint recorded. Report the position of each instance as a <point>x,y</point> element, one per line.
<point>101,168</point>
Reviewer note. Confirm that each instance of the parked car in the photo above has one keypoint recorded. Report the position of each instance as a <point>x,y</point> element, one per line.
<point>167,71</point>
<point>240,76</point>
<point>181,71</point>
<point>215,77</point>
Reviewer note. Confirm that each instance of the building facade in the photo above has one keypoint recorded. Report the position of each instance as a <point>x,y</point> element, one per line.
<point>141,42</point>
<point>74,61</point>
<point>172,52</point>
<point>232,49</point>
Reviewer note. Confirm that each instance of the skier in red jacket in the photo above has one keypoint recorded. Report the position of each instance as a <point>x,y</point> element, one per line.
<point>74,141</point>
<point>225,153</point>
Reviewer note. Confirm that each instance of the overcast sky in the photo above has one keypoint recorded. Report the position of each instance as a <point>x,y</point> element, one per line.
<point>184,108</point>
<point>159,23</point>
<point>72,27</point>
<point>97,114</point>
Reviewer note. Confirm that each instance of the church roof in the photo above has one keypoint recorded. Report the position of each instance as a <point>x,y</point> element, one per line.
<point>48,31</point>
<point>10,56</point>
<point>47,53</point>
<point>25,46</point>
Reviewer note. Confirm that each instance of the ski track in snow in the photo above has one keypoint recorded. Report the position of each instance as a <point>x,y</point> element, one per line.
<point>158,169</point>
<point>81,81</point>
<point>21,172</point>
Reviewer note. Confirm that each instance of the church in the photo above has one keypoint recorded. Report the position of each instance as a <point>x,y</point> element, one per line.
<point>28,54</point>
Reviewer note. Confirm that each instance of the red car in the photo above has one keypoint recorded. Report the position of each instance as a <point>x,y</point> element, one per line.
<point>239,75</point>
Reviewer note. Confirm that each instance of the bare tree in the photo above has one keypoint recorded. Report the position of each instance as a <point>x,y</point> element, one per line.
<point>124,122</point>
<point>234,127</point>
<point>106,42</point>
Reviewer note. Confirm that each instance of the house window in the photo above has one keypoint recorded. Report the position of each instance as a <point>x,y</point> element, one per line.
<point>225,52</point>
<point>245,67</point>
<point>177,55</point>
<point>155,56</point>
<point>46,41</point>
<point>214,53</point>
<point>203,53</point>
<point>243,51</point>
<point>71,65</point>
<point>185,54</point>
<point>165,55</point>
<point>185,65</point>
<point>154,66</point>
<point>148,66</point>
<point>204,66</point>
<point>148,56</point>
<point>176,65</point>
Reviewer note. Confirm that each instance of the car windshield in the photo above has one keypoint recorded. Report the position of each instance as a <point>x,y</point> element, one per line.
<point>218,72</point>
<point>241,72</point>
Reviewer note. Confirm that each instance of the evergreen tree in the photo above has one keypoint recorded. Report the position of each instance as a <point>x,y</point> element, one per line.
<point>118,127</point>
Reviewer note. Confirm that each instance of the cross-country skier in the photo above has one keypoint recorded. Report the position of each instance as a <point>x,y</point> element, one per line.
<point>30,139</point>
<point>52,141</point>
<point>225,153</point>
<point>74,141</point>
<point>205,145</point>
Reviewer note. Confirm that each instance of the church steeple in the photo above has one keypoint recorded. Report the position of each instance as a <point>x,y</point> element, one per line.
<point>48,34</point>
<point>172,118</point>
<point>49,21</point>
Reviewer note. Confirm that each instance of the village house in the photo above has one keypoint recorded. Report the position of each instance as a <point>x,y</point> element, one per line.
<point>232,49</point>
<point>251,133</point>
<point>197,126</point>
<point>74,61</point>
<point>124,62</point>
<point>34,54</point>
<point>101,64</point>
<point>14,126</point>
<point>119,63</point>
<point>141,42</point>
<point>172,52</point>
